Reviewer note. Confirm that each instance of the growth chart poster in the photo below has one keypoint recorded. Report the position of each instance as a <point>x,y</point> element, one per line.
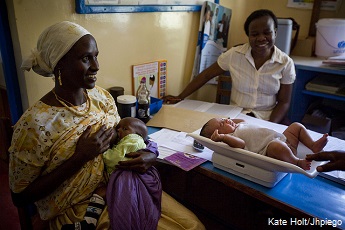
<point>156,77</point>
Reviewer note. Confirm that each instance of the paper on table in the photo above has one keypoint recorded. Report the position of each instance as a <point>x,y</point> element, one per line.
<point>170,141</point>
<point>165,152</point>
<point>207,107</point>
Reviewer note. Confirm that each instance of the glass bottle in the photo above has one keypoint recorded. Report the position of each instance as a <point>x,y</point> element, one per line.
<point>143,99</point>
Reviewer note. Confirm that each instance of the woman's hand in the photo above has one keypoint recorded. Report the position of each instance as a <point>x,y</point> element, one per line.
<point>90,145</point>
<point>169,99</point>
<point>336,160</point>
<point>141,161</point>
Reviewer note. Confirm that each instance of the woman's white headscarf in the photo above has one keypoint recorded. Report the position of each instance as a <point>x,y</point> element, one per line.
<point>52,45</point>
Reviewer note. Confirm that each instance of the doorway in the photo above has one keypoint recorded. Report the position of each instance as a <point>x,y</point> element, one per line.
<point>11,85</point>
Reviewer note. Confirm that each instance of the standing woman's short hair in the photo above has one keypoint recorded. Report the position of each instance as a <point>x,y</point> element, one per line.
<point>258,14</point>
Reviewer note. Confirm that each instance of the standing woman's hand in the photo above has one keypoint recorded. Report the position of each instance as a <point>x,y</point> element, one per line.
<point>169,99</point>
<point>90,145</point>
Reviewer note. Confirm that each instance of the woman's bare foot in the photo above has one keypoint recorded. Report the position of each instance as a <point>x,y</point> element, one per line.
<point>319,144</point>
<point>304,164</point>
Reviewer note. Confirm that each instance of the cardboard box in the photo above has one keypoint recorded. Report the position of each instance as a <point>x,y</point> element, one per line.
<point>304,47</point>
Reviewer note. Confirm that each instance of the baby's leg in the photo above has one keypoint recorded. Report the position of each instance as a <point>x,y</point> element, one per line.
<point>296,133</point>
<point>280,151</point>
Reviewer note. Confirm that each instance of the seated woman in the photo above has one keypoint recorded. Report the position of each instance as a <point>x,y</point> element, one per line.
<point>56,156</point>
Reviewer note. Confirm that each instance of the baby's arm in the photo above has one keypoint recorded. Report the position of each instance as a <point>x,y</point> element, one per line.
<point>232,141</point>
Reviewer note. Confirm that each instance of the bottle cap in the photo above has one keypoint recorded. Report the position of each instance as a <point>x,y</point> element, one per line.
<point>126,99</point>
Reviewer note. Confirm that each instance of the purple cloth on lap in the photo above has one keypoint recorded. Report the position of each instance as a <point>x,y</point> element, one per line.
<point>134,199</point>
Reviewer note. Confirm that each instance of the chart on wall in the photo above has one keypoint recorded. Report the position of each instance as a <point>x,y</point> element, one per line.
<point>213,36</point>
<point>156,74</point>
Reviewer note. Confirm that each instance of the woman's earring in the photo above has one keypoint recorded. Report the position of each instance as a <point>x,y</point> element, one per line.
<point>59,78</point>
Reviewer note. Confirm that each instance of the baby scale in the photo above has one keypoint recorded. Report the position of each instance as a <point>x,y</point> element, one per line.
<point>251,166</point>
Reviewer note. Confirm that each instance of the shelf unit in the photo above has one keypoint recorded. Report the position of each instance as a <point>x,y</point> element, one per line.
<point>306,69</point>
<point>324,95</point>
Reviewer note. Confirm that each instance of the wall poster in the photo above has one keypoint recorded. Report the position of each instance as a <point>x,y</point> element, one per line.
<point>213,36</point>
<point>156,77</point>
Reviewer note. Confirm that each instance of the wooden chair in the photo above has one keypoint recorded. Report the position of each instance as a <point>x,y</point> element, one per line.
<point>28,216</point>
<point>223,89</point>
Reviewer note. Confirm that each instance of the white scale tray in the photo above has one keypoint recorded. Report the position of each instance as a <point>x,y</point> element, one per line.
<point>251,166</point>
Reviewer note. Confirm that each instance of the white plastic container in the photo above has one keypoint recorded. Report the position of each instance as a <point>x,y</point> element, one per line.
<point>126,106</point>
<point>283,40</point>
<point>330,37</point>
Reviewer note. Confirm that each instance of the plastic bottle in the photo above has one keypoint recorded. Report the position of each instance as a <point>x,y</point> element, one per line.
<point>143,98</point>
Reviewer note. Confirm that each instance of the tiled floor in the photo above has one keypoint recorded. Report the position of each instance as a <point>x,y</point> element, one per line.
<point>8,213</point>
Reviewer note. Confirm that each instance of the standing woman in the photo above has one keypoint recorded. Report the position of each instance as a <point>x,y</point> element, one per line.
<point>262,75</point>
<point>57,145</point>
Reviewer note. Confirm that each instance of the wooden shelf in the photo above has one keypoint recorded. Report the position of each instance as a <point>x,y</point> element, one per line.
<point>324,95</point>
